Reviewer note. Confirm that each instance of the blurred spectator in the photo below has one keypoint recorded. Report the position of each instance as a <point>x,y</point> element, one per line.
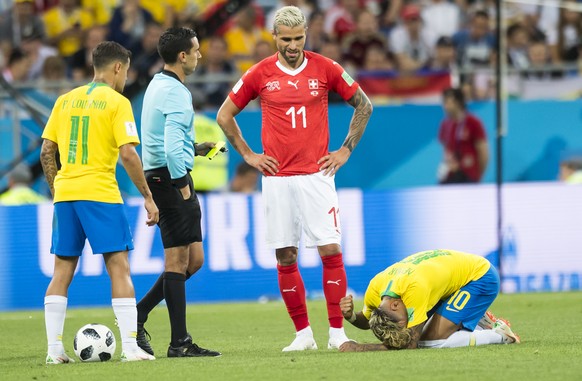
<point>245,179</point>
<point>377,59</point>
<point>409,41</point>
<point>563,40</point>
<point>341,18</point>
<point>263,49</point>
<point>17,23</point>
<point>19,191</point>
<point>539,59</point>
<point>215,67</point>
<point>475,45</point>
<point>243,37</point>
<point>102,10</point>
<point>441,18</point>
<point>128,23</point>
<point>81,63</point>
<point>517,46</point>
<point>209,175</point>
<point>65,25</point>
<point>365,36</point>
<point>17,67</point>
<point>145,61</point>
<point>54,69</point>
<point>305,7</point>
<point>38,52</point>
<point>463,137</point>
<point>316,36</point>
<point>444,57</point>
<point>389,13</point>
<point>165,12</point>
<point>332,50</point>
<point>571,170</point>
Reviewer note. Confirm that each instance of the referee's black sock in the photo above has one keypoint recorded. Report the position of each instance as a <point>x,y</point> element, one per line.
<point>175,295</point>
<point>154,296</point>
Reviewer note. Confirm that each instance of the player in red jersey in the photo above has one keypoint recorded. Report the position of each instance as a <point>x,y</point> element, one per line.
<point>298,183</point>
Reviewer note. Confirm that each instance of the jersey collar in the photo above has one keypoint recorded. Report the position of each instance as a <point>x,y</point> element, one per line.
<point>293,72</point>
<point>171,74</point>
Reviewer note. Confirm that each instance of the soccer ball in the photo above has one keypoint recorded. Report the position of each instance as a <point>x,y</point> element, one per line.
<point>94,342</point>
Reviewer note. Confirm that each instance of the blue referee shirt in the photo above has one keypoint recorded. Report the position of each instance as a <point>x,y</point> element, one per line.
<point>166,127</point>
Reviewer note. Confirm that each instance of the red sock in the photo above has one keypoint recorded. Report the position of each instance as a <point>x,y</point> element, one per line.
<point>293,292</point>
<point>334,287</point>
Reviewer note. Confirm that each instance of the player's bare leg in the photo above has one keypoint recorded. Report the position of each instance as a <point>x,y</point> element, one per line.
<point>335,288</point>
<point>55,308</point>
<point>293,293</point>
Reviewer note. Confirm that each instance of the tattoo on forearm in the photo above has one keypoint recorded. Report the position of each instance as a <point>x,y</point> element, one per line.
<point>370,347</point>
<point>49,163</point>
<point>362,113</point>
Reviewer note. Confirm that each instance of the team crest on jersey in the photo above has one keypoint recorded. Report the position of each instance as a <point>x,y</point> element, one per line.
<point>313,84</point>
<point>273,85</point>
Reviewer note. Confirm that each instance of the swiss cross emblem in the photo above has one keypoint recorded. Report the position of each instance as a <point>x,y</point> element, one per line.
<point>313,84</point>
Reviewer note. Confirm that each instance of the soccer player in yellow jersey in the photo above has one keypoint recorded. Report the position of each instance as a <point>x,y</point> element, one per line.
<point>91,126</point>
<point>431,299</point>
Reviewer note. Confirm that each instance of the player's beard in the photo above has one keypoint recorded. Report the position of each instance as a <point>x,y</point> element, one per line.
<point>292,61</point>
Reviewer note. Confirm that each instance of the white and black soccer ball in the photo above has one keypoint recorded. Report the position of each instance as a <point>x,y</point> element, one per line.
<point>94,343</point>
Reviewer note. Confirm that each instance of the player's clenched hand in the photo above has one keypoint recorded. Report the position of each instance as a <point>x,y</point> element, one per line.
<point>348,346</point>
<point>347,306</point>
<point>332,162</point>
<point>264,163</point>
<point>153,212</point>
<point>203,148</point>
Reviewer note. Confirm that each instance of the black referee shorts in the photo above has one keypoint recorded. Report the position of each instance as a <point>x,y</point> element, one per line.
<point>179,219</point>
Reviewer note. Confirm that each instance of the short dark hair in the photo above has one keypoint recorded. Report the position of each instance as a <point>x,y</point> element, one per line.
<point>107,52</point>
<point>173,41</point>
<point>456,94</point>
<point>481,13</point>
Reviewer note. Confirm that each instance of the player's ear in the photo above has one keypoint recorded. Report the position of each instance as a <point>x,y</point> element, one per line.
<point>117,67</point>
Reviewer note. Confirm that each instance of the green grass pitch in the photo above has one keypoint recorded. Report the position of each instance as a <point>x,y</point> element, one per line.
<point>251,336</point>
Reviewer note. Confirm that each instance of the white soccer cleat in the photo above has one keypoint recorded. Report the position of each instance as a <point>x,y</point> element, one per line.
<point>137,355</point>
<point>303,341</point>
<point>488,320</point>
<point>502,328</point>
<point>61,358</point>
<point>337,337</point>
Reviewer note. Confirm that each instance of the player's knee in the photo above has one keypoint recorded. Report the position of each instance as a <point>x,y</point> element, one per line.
<point>286,256</point>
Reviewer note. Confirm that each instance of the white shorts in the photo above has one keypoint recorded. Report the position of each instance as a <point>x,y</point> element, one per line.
<point>307,203</point>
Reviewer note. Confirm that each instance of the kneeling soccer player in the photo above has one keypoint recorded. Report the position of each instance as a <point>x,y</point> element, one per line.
<point>431,299</point>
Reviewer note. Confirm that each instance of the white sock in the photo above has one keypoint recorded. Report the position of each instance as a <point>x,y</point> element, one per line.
<point>464,338</point>
<point>55,310</point>
<point>305,332</point>
<point>126,314</point>
<point>334,332</point>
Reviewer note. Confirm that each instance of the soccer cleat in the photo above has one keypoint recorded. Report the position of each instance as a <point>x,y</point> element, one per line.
<point>301,343</point>
<point>190,349</point>
<point>138,355</point>
<point>487,321</point>
<point>502,328</point>
<point>337,337</point>
<point>143,339</point>
<point>58,359</point>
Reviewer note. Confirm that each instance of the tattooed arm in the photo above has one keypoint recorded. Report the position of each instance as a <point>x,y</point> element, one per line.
<point>362,112</point>
<point>48,159</point>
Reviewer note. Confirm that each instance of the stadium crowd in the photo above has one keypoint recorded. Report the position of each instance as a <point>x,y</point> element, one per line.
<point>51,40</point>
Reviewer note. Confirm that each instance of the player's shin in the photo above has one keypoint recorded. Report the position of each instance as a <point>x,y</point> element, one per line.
<point>334,287</point>
<point>293,293</point>
<point>55,309</point>
<point>126,315</point>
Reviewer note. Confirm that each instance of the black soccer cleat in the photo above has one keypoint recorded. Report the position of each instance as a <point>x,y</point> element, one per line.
<point>143,339</point>
<point>189,349</point>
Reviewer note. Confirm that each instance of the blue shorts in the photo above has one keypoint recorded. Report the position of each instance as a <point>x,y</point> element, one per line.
<point>103,224</point>
<point>468,305</point>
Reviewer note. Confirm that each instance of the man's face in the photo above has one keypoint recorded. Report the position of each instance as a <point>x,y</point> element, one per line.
<point>290,43</point>
<point>450,105</point>
<point>479,27</point>
<point>192,57</point>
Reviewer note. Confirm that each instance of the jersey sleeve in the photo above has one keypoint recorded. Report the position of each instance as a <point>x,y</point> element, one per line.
<point>247,88</point>
<point>477,129</point>
<point>124,128</point>
<point>340,81</point>
<point>50,129</point>
<point>371,300</point>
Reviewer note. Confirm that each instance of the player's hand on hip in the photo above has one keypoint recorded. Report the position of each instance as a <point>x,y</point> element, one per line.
<point>186,194</point>
<point>153,212</point>
<point>332,162</point>
<point>264,163</point>
<point>347,306</point>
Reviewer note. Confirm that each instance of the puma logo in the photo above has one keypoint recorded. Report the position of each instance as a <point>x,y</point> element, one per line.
<point>290,289</point>
<point>336,282</point>
<point>293,84</point>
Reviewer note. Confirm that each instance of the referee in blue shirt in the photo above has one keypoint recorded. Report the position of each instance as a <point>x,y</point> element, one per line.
<point>168,156</point>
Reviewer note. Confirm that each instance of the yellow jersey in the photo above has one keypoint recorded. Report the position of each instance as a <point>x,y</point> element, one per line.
<point>423,279</point>
<point>56,21</point>
<point>89,124</point>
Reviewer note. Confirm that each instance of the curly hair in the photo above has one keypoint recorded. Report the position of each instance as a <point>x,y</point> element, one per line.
<point>388,331</point>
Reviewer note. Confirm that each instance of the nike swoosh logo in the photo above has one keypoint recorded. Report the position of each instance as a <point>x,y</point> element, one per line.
<point>452,309</point>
